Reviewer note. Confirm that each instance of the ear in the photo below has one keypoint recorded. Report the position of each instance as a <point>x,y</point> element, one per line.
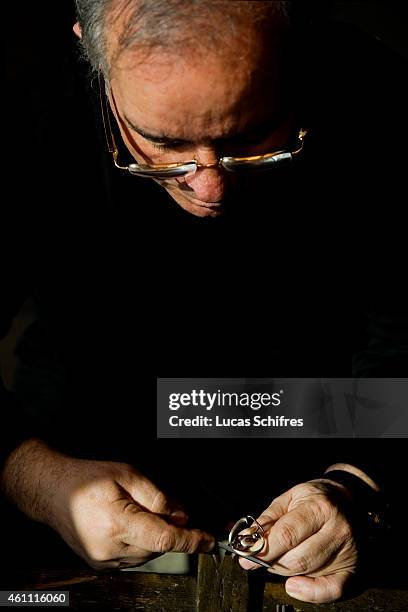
<point>77,30</point>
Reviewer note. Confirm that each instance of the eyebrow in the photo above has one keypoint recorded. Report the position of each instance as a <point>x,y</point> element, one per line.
<point>269,124</point>
<point>154,137</point>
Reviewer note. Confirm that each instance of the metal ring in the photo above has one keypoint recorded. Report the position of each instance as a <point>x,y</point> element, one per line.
<point>249,543</point>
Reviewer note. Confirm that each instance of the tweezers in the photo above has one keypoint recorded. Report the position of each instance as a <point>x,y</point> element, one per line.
<point>249,557</point>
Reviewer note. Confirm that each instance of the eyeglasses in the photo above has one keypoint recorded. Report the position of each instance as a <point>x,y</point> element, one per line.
<point>173,170</point>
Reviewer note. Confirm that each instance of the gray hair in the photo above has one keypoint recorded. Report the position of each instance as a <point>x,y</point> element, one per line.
<point>168,24</point>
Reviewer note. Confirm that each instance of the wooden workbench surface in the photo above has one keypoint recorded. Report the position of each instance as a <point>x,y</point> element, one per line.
<point>219,587</point>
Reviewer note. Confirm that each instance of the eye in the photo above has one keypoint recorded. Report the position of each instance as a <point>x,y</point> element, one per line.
<point>174,146</point>
<point>159,147</point>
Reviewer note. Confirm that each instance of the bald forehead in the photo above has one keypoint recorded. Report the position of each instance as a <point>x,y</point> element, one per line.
<point>215,27</point>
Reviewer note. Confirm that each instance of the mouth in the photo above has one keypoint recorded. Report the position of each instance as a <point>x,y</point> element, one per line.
<point>203,203</point>
<point>209,204</point>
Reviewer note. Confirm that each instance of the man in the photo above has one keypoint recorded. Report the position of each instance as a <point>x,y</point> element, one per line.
<point>215,270</point>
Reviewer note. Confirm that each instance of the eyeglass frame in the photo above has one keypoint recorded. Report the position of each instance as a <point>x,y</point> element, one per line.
<point>265,161</point>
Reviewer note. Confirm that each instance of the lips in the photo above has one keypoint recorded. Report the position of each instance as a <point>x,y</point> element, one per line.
<point>210,204</point>
<point>204,204</point>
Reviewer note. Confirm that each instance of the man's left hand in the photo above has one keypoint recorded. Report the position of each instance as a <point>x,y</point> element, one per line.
<point>308,536</point>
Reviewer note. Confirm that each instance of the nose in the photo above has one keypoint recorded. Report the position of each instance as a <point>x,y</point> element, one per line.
<point>208,184</point>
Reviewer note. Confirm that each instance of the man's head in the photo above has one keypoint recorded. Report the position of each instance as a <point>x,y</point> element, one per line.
<point>193,79</point>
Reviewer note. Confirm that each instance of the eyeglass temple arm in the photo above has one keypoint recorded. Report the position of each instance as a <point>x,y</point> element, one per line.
<point>301,137</point>
<point>107,126</point>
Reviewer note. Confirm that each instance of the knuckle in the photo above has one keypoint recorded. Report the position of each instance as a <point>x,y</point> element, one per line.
<point>143,537</point>
<point>287,536</point>
<point>303,488</point>
<point>271,514</point>
<point>111,529</point>
<point>165,541</point>
<point>323,507</point>
<point>99,554</point>
<point>101,541</point>
<point>298,564</point>
<point>345,531</point>
<point>107,527</point>
<point>188,545</point>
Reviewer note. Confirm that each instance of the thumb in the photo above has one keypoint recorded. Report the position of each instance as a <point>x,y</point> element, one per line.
<point>152,533</point>
<point>321,589</point>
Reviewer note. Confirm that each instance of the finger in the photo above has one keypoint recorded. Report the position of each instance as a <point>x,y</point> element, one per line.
<point>147,495</point>
<point>288,532</point>
<point>309,556</point>
<point>140,488</point>
<point>248,565</point>
<point>152,533</point>
<point>166,506</point>
<point>276,510</point>
<point>322,589</point>
<point>267,519</point>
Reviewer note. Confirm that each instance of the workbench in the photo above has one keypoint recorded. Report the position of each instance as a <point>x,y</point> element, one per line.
<point>214,586</point>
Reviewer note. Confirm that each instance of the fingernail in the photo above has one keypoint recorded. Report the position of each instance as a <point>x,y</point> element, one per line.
<point>179,518</point>
<point>292,588</point>
<point>246,565</point>
<point>179,513</point>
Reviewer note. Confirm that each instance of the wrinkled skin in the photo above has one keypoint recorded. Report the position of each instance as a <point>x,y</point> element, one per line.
<point>309,537</point>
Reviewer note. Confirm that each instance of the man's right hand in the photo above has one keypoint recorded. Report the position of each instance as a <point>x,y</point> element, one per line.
<point>107,512</point>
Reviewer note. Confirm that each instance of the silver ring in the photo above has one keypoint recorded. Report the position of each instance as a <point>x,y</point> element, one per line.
<point>251,541</point>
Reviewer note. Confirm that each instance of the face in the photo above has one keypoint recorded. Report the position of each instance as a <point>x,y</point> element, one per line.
<point>174,108</point>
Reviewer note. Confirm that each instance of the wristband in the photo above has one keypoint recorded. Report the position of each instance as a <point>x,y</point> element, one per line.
<point>372,507</point>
